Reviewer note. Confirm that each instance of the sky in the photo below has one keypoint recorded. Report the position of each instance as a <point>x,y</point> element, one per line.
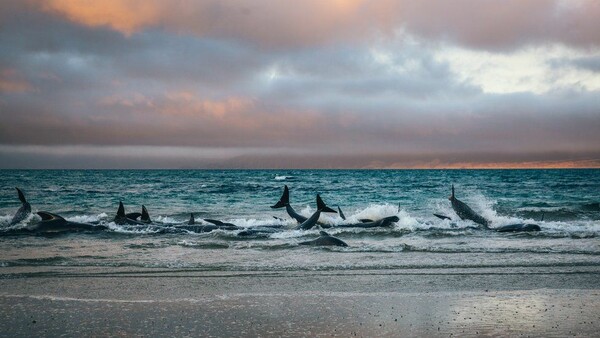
<point>299,84</point>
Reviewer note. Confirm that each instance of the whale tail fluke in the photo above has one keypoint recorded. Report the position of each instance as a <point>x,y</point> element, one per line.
<point>192,221</point>
<point>21,196</point>
<point>284,200</point>
<point>145,216</point>
<point>322,207</point>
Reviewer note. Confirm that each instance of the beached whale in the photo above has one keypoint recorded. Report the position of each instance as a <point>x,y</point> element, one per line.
<point>367,223</point>
<point>192,226</point>
<point>24,211</point>
<point>54,223</point>
<point>144,216</point>
<point>465,212</point>
<point>384,222</point>
<point>325,240</point>
<point>122,219</point>
<point>312,220</point>
<point>519,227</point>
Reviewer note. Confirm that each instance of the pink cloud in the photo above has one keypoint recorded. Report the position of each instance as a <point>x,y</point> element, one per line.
<point>11,81</point>
<point>281,24</point>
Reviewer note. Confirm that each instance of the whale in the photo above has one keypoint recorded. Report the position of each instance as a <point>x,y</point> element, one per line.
<point>465,212</point>
<point>325,240</point>
<point>518,227</point>
<point>52,223</point>
<point>221,223</point>
<point>145,218</point>
<point>312,220</point>
<point>367,223</point>
<point>380,223</point>
<point>122,219</point>
<point>192,226</point>
<point>442,217</point>
<point>133,215</point>
<point>258,231</point>
<point>284,201</point>
<point>24,211</point>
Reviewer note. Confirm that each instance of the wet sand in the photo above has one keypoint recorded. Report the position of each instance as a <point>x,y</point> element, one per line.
<point>546,301</point>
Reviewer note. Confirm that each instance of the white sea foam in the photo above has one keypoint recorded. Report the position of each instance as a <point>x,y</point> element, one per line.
<point>88,218</point>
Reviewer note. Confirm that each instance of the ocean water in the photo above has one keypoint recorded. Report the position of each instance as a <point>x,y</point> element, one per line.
<point>568,201</point>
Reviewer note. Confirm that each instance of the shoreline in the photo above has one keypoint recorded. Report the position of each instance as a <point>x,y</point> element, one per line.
<point>87,301</point>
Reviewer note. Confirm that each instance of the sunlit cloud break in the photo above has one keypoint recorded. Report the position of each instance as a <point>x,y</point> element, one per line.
<point>316,84</point>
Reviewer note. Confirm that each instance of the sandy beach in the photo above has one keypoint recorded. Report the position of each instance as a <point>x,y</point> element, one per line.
<point>52,301</point>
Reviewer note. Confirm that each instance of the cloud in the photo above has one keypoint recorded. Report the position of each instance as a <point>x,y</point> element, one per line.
<point>472,23</point>
<point>11,81</point>
<point>379,83</point>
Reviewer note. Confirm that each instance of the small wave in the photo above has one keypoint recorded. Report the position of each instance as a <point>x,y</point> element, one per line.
<point>283,178</point>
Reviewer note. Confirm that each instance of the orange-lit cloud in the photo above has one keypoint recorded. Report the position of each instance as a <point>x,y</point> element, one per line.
<point>126,16</point>
<point>278,23</point>
<point>12,82</point>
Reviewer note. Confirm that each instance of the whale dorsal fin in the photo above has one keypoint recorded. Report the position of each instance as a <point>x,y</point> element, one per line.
<point>322,207</point>
<point>284,200</point>
<point>341,213</point>
<point>542,219</point>
<point>323,233</point>
<point>145,215</point>
<point>21,196</point>
<point>121,210</point>
<point>46,216</point>
<point>192,221</point>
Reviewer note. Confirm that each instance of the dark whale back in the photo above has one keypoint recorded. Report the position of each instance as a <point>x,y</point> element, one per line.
<point>325,240</point>
<point>54,223</point>
<point>519,227</point>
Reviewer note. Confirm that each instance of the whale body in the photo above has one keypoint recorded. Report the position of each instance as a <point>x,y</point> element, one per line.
<point>465,212</point>
<point>325,240</point>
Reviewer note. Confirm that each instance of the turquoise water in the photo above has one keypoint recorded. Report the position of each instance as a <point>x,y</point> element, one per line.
<point>568,201</point>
